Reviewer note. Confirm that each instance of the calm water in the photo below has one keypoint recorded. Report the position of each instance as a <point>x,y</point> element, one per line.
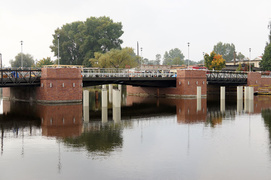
<point>153,139</point>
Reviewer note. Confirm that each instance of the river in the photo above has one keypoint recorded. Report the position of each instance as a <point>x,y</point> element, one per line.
<point>155,138</point>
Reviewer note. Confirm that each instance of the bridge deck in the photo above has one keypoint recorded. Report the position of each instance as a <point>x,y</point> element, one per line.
<point>11,78</point>
<point>134,81</point>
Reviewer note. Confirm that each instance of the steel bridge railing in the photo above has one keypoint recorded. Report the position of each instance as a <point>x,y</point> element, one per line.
<point>125,73</point>
<point>11,77</point>
<point>226,76</point>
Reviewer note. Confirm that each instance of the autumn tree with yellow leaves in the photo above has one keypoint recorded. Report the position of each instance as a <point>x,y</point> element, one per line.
<point>214,61</point>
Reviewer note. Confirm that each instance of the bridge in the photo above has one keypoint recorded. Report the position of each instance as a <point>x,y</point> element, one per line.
<point>62,84</point>
<point>92,77</point>
<point>226,78</point>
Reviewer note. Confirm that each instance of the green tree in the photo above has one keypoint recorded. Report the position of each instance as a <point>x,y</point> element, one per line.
<point>115,58</point>
<point>44,61</point>
<point>190,62</point>
<point>265,63</point>
<point>28,60</point>
<point>226,50</point>
<point>200,62</point>
<point>173,57</point>
<point>214,61</point>
<point>78,41</point>
<point>157,59</point>
<point>240,56</point>
<point>102,141</point>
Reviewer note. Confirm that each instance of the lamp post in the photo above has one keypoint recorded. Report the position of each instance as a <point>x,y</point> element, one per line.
<point>188,54</point>
<point>269,27</point>
<point>22,64</point>
<point>58,49</point>
<point>1,60</point>
<point>141,59</point>
<point>249,59</point>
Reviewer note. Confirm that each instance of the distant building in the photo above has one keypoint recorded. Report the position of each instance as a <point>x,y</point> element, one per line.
<point>246,60</point>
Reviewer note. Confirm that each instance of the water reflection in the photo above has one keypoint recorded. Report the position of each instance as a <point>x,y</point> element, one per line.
<point>178,132</point>
<point>98,139</point>
<point>18,120</point>
<point>263,103</point>
<point>60,120</point>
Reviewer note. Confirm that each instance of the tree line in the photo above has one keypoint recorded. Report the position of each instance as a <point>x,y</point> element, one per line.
<point>96,42</point>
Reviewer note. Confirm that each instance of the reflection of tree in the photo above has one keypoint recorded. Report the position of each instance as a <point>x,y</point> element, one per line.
<point>213,121</point>
<point>99,140</point>
<point>266,114</point>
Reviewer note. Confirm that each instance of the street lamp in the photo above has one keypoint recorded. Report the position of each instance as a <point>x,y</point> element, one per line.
<point>58,49</point>
<point>1,60</point>
<point>141,59</point>
<point>22,64</point>
<point>188,54</point>
<point>249,59</point>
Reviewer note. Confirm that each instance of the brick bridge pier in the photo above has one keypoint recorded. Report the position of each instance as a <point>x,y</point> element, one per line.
<point>57,85</point>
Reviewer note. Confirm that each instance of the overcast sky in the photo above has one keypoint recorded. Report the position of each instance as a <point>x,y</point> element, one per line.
<point>158,25</point>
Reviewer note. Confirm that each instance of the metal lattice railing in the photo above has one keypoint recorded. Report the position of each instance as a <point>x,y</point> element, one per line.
<point>91,72</point>
<point>10,77</point>
<point>226,76</point>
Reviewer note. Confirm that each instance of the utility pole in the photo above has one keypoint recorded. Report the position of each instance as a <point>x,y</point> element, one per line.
<point>58,49</point>
<point>1,61</point>
<point>137,49</point>
<point>234,57</point>
<point>249,59</point>
<point>188,55</point>
<point>22,64</point>
<point>141,60</point>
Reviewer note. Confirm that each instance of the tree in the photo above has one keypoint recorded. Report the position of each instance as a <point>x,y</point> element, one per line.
<point>28,60</point>
<point>226,50</point>
<point>214,61</point>
<point>200,62</point>
<point>44,61</point>
<point>173,57</point>
<point>78,41</point>
<point>157,59</point>
<point>265,63</point>
<point>240,56</point>
<point>115,58</point>
<point>190,62</point>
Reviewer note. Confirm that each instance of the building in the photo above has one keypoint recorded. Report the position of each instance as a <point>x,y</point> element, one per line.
<point>254,61</point>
